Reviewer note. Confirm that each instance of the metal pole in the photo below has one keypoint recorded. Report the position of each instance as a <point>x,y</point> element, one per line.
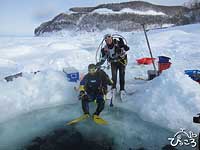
<point>154,66</point>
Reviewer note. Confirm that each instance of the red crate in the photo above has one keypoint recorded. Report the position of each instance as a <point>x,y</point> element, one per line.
<point>145,61</point>
<point>163,66</point>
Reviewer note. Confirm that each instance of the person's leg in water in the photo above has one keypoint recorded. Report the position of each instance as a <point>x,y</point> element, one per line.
<point>86,99</point>
<point>100,104</point>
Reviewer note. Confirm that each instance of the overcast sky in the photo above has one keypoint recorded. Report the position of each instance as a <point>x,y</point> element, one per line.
<point>20,17</point>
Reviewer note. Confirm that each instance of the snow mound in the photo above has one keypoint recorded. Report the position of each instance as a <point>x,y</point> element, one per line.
<point>32,92</point>
<point>8,67</point>
<point>170,100</point>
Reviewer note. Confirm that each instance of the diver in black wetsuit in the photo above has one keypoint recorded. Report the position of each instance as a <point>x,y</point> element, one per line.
<point>115,53</point>
<point>93,87</point>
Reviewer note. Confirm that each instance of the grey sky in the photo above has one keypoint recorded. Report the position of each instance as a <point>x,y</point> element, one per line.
<point>20,17</point>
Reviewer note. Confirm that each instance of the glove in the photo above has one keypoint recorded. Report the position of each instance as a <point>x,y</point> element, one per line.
<point>111,83</point>
<point>81,94</point>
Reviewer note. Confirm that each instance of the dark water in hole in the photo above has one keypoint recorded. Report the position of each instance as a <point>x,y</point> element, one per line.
<point>66,139</point>
<point>71,139</point>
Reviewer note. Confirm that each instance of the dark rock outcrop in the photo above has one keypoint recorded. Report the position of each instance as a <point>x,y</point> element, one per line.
<point>195,15</point>
<point>85,18</point>
<point>11,77</point>
<point>18,75</point>
<point>135,5</point>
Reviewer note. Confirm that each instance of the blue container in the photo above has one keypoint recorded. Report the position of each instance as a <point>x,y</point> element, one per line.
<point>73,77</point>
<point>72,74</point>
<point>194,74</point>
<point>163,59</point>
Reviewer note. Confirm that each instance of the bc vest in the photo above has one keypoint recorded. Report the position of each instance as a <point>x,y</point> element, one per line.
<point>93,84</point>
<point>112,57</point>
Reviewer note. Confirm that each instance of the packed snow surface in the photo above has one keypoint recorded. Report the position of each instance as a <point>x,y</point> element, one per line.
<point>162,105</point>
<point>127,10</point>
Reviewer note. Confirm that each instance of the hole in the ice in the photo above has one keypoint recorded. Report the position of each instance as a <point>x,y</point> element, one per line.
<point>71,139</point>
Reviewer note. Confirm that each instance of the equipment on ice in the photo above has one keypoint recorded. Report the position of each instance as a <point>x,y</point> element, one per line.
<point>148,44</point>
<point>163,63</point>
<point>193,74</point>
<point>145,61</point>
<point>113,96</point>
<point>72,74</point>
<point>196,119</point>
<point>154,72</point>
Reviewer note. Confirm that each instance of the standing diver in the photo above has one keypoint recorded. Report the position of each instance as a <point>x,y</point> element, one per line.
<point>115,53</point>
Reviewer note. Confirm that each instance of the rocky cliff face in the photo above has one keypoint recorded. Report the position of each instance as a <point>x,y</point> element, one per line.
<point>126,16</point>
<point>135,5</point>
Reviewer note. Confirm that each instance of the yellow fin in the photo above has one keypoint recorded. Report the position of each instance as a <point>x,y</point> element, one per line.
<point>81,118</point>
<point>99,120</point>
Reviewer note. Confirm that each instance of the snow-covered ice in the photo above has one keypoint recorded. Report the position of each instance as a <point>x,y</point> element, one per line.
<point>161,106</point>
<point>127,10</point>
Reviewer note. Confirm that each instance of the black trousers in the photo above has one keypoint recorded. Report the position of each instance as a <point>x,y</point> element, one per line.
<point>90,98</point>
<point>115,66</point>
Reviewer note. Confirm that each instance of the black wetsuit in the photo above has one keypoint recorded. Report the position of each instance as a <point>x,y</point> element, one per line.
<point>95,86</point>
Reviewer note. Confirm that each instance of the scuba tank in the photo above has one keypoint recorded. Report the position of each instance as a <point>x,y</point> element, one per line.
<point>116,37</point>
